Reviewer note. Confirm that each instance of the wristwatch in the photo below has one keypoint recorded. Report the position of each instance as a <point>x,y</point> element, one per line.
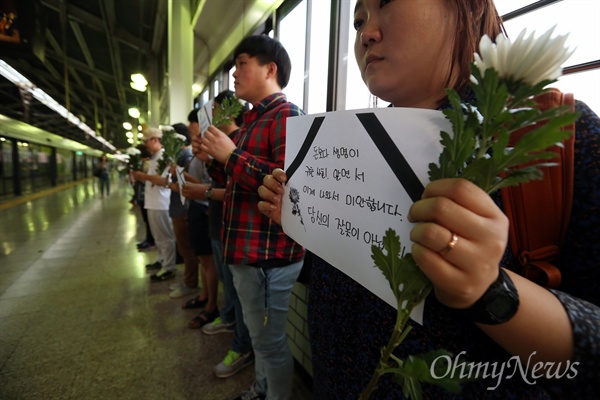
<point>208,193</point>
<point>498,304</point>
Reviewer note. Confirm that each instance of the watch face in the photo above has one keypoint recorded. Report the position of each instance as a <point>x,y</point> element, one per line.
<point>502,306</point>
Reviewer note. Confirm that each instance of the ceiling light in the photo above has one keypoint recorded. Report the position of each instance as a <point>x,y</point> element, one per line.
<point>137,86</point>
<point>129,134</point>
<point>138,82</point>
<point>139,79</point>
<point>140,128</point>
<point>127,126</point>
<point>134,112</point>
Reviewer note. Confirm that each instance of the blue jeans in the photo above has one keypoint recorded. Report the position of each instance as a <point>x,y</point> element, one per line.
<point>104,184</point>
<point>227,312</point>
<point>265,298</point>
<point>232,309</point>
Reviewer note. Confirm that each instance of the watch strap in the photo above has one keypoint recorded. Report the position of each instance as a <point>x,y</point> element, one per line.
<point>498,304</point>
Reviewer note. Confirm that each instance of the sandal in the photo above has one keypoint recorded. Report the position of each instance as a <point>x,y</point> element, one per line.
<point>194,303</point>
<point>205,317</point>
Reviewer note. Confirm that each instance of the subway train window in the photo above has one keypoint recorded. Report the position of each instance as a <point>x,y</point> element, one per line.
<point>64,166</point>
<point>292,34</point>
<point>6,167</point>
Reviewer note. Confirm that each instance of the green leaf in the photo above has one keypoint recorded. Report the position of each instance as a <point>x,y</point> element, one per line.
<point>230,108</point>
<point>408,283</point>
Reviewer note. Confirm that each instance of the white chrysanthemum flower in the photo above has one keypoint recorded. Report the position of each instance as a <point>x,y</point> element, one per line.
<point>132,151</point>
<point>181,137</point>
<point>528,59</point>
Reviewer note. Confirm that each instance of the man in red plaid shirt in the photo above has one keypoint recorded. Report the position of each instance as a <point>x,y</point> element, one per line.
<point>264,261</point>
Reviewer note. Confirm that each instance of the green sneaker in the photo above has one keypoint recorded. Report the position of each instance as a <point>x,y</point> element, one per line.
<point>233,363</point>
<point>218,326</point>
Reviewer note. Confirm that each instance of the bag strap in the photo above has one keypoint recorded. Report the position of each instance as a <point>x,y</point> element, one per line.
<point>539,211</point>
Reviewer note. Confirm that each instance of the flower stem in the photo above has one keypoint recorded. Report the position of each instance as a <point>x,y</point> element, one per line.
<point>386,352</point>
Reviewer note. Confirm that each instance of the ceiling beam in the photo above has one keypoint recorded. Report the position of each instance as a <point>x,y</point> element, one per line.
<point>83,17</point>
<point>108,15</point>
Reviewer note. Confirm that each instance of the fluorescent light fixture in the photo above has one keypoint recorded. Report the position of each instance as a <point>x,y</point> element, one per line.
<point>139,79</point>
<point>134,112</point>
<point>137,86</point>
<point>138,82</point>
<point>15,77</point>
<point>127,126</point>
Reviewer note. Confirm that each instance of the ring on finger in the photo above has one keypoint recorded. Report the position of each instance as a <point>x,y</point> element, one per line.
<point>451,244</point>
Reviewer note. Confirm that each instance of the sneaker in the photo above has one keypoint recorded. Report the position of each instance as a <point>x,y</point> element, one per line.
<point>232,364</point>
<point>154,265</point>
<point>147,247</point>
<point>175,286</point>
<point>162,275</point>
<point>251,395</point>
<point>182,291</point>
<point>218,326</point>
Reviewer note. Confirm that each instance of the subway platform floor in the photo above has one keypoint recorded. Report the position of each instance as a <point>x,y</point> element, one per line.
<point>79,318</point>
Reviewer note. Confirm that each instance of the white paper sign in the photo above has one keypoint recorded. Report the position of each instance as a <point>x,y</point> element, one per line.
<point>205,116</point>
<point>352,176</point>
<point>180,181</point>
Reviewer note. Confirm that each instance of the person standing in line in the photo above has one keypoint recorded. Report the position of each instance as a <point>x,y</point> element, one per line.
<point>138,197</point>
<point>102,171</point>
<point>198,215</point>
<point>264,261</point>
<point>406,62</point>
<point>231,318</point>
<point>157,198</point>
<point>178,212</point>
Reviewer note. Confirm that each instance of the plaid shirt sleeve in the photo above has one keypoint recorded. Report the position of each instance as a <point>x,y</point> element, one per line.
<point>261,149</point>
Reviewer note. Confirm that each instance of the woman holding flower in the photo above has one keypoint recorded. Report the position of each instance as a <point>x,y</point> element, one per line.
<point>408,53</point>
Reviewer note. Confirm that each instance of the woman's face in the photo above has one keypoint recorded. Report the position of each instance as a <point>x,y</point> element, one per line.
<point>403,49</point>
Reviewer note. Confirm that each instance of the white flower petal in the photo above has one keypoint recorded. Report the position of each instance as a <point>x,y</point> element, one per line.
<point>528,58</point>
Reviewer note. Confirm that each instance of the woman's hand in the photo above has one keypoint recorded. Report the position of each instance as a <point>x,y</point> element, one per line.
<point>463,272</point>
<point>270,192</point>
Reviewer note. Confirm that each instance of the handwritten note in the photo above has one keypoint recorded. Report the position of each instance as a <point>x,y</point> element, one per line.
<point>353,175</point>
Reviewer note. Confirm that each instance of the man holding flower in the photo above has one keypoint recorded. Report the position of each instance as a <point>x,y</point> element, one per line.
<point>157,200</point>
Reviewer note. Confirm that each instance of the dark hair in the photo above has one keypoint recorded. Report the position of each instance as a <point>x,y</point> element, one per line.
<point>193,116</point>
<point>228,94</point>
<point>267,50</point>
<point>474,19</point>
<point>182,129</point>
<point>144,153</point>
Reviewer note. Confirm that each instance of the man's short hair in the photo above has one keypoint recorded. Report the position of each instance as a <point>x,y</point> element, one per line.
<point>182,129</point>
<point>193,115</point>
<point>267,50</point>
